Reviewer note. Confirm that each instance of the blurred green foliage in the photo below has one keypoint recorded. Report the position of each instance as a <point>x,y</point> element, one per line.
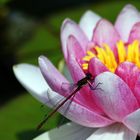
<point>20,117</point>
<point>2,2</point>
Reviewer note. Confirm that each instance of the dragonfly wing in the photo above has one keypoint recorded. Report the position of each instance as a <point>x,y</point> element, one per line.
<point>67,88</point>
<point>66,110</point>
<point>53,100</point>
<point>56,101</point>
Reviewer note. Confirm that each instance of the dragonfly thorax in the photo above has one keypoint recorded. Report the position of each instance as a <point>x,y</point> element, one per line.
<point>85,80</point>
<point>88,76</point>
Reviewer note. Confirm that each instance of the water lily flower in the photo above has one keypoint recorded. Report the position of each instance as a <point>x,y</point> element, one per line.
<point>111,53</point>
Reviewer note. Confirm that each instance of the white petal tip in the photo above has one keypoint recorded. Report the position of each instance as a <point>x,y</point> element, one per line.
<point>65,22</point>
<point>41,57</point>
<point>89,13</point>
<point>17,68</point>
<point>129,6</point>
<point>31,78</point>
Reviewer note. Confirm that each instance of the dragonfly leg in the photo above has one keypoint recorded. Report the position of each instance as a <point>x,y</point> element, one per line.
<point>96,87</point>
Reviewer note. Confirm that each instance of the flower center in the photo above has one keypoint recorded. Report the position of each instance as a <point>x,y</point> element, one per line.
<point>128,52</point>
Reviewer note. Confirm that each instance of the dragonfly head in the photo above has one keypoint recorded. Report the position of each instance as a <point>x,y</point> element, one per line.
<point>88,76</point>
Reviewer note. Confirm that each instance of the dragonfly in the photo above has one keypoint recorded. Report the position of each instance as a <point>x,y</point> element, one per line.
<point>87,80</point>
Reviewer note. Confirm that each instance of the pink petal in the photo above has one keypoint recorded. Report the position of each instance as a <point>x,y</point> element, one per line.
<point>73,65</point>
<point>64,69</point>
<point>105,33</point>
<point>71,28</point>
<point>96,67</point>
<point>113,132</point>
<point>135,33</point>
<point>88,23</point>
<point>137,89</point>
<point>125,21</point>
<point>69,131</point>
<point>76,112</point>
<point>130,73</point>
<point>132,121</point>
<point>114,96</point>
<point>75,49</point>
<point>53,77</point>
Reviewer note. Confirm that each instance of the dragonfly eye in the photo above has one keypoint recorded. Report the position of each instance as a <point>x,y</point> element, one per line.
<point>88,75</point>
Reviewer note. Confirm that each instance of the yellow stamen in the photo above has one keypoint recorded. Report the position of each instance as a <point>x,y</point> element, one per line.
<point>85,66</point>
<point>90,53</point>
<point>121,51</point>
<point>137,51</point>
<point>99,54</point>
<point>87,58</point>
<point>129,53</point>
<point>111,58</point>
